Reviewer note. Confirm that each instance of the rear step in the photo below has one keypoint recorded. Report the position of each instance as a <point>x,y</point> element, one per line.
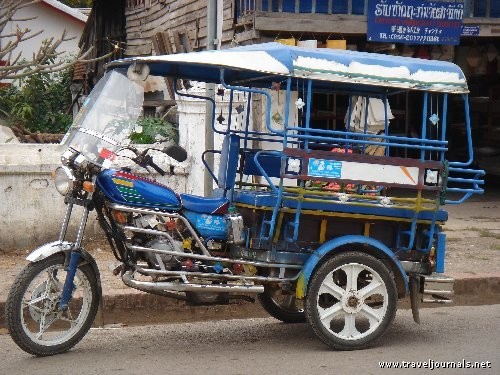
<point>437,288</point>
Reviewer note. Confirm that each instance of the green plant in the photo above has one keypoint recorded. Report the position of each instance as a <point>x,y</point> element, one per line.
<point>39,102</point>
<point>154,129</point>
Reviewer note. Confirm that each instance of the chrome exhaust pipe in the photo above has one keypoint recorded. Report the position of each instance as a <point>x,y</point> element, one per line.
<point>165,286</point>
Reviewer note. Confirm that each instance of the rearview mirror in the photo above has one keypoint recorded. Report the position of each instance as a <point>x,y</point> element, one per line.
<point>175,152</point>
<point>138,72</point>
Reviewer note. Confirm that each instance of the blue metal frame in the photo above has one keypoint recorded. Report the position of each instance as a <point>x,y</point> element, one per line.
<point>444,121</point>
<point>203,98</point>
<point>256,91</point>
<point>308,113</point>
<point>469,136</point>
<point>424,126</point>
<point>427,143</point>
<point>440,252</point>
<point>247,121</point>
<point>204,161</point>
<point>460,167</point>
<point>386,124</point>
<point>306,134</point>
<point>420,219</point>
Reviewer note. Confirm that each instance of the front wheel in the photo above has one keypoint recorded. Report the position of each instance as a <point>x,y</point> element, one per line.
<point>33,319</point>
<point>351,300</point>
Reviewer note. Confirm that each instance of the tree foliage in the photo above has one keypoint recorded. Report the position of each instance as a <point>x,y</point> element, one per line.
<point>40,102</point>
<point>40,97</point>
<point>153,129</point>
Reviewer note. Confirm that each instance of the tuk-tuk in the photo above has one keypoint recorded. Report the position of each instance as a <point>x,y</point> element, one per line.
<point>327,202</point>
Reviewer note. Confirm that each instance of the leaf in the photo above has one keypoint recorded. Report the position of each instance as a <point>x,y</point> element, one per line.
<point>154,128</point>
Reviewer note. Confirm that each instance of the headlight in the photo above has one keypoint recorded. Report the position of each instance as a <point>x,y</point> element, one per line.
<point>64,180</point>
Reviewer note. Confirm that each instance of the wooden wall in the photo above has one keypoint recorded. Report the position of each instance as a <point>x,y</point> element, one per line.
<point>104,28</point>
<point>145,18</point>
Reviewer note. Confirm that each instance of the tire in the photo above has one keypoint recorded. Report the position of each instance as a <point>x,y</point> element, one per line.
<point>282,306</point>
<point>33,320</point>
<point>346,316</point>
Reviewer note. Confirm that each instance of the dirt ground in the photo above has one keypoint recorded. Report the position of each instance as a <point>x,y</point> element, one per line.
<point>473,236</point>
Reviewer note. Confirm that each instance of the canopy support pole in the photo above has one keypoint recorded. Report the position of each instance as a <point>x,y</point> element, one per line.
<point>212,43</point>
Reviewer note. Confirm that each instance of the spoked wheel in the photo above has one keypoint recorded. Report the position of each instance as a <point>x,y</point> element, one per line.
<point>282,305</point>
<point>351,300</point>
<point>34,321</point>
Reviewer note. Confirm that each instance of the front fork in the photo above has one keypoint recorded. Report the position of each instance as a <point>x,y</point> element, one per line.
<point>75,254</point>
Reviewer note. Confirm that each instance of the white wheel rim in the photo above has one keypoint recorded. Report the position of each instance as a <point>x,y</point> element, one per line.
<point>346,300</point>
<point>40,319</point>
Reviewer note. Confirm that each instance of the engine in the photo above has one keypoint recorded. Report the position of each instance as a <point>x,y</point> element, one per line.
<point>163,261</point>
<point>174,238</point>
<point>164,234</point>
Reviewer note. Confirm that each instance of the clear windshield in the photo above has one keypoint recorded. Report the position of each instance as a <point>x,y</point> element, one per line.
<point>107,118</point>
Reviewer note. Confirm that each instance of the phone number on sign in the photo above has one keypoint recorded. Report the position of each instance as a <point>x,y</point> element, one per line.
<point>411,38</point>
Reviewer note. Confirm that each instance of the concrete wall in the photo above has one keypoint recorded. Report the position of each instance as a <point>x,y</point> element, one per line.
<point>28,200</point>
<point>31,210</point>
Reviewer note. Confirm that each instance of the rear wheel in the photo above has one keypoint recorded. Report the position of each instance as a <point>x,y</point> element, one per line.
<point>282,305</point>
<point>351,300</point>
<point>33,319</point>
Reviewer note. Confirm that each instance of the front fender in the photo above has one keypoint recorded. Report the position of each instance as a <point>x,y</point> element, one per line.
<point>65,247</point>
<point>332,247</point>
<point>49,249</point>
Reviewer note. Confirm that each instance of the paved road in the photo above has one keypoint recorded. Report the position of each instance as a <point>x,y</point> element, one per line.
<point>265,346</point>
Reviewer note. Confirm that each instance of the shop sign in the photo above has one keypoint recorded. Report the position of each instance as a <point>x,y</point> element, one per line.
<point>415,21</point>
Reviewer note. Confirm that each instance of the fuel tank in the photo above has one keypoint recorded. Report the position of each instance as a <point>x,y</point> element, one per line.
<point>132,190</point>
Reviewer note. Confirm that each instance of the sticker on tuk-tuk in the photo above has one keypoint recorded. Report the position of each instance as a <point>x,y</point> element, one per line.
<point>324,168</point>
<point>210,222</point>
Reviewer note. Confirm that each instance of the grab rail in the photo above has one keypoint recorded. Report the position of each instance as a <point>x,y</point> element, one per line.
<point>470,185</point>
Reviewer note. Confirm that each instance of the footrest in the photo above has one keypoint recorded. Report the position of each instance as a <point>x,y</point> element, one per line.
<point>437,288</point>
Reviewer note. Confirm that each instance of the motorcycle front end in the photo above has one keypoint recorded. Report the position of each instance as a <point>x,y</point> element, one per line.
<point>54,299</point>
